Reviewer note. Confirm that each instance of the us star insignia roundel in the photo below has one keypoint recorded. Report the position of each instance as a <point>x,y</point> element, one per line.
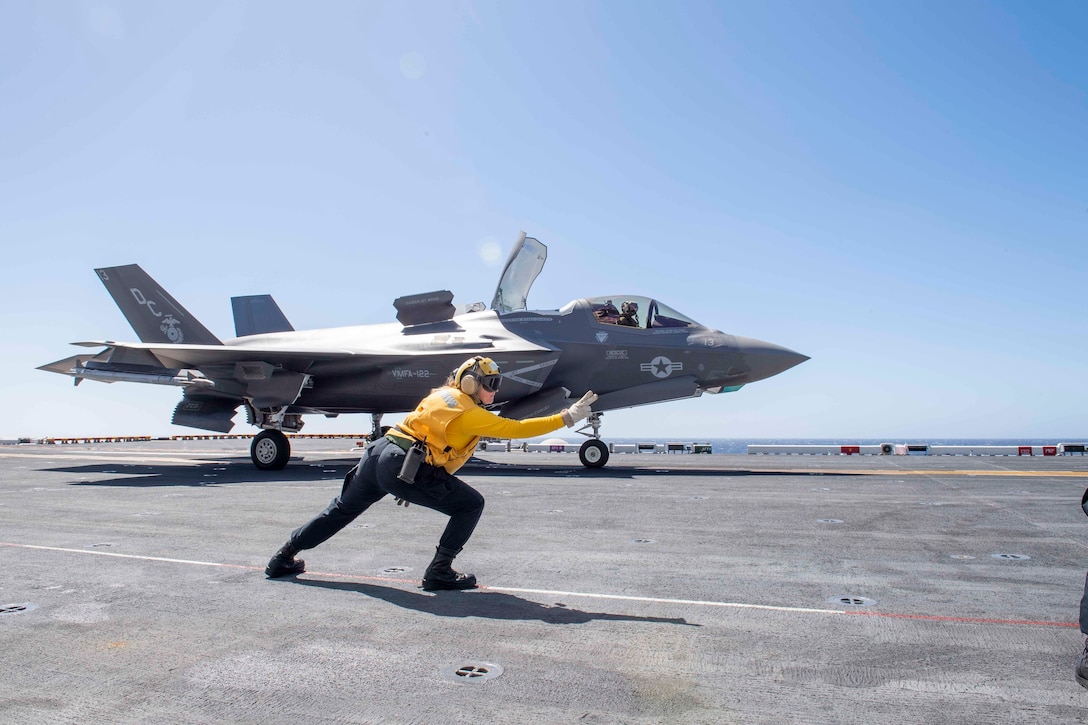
<point>661,367</point>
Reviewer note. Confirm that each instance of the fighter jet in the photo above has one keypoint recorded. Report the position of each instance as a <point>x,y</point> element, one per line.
<point>631,349</point>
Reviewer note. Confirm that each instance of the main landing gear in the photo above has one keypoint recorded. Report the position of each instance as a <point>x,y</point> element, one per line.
<point>594,452</point>
<point>270,450</point>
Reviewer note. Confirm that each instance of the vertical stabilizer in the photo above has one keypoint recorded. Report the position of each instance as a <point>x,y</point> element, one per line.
<point>152,312</point>
<point>258,314</point>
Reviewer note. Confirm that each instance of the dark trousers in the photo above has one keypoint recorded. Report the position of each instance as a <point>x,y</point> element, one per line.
<point>1084,608</point>
<point>1084,597</point>
<point>376,476</point>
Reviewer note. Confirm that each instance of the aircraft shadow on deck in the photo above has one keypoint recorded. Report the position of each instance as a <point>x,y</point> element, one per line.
<point>481,603</point>
<point>239,470</point>
<point>210,475</point>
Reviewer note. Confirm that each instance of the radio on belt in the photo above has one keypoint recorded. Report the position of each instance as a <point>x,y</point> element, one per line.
<point>412,458</point>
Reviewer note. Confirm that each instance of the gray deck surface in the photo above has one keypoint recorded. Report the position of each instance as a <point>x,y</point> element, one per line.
<point>662,589</point>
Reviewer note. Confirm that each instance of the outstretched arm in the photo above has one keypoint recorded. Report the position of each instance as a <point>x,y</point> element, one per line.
<point>480,422</point>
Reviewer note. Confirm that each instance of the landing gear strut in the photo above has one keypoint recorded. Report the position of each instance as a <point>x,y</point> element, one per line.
<point>594,452</point>
<point>377,430</point>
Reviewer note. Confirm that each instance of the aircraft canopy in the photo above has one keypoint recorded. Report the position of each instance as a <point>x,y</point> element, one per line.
<point>524,264</point>
<point>637,311</point>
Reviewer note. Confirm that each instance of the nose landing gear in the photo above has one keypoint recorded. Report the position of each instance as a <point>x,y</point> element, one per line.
<point>594,452</point>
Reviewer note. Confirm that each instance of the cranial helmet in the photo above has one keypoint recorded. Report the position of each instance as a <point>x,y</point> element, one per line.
<point>476,373</point>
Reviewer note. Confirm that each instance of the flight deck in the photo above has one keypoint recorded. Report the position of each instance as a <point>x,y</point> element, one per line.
<point>659,589</point>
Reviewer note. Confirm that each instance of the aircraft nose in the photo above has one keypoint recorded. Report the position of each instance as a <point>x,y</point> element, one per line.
<point>764,359</point>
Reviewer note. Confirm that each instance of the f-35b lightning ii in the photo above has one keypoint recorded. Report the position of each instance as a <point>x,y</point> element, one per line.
<point>631,350</point>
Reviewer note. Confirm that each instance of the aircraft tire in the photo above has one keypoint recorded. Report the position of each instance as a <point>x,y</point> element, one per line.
<point>593,453</point>
<point>270,450</point>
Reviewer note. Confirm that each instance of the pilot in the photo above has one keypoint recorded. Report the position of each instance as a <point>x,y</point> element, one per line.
<point>446,425</point>
<point>628,314</point>
<point>607,313</point>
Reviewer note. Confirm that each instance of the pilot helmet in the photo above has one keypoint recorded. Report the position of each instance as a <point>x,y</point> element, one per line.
<point>477,373</point>
<point>629,307</point>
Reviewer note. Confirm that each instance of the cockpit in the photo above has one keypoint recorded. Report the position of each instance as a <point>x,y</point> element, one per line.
<point>637,312</point>
<point>633,311</point>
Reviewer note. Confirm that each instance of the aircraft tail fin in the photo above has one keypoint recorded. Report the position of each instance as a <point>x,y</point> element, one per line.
<point>153,313</point>
<point>257,314</point>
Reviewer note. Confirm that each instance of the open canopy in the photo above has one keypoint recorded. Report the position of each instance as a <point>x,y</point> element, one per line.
<point>522,268</point>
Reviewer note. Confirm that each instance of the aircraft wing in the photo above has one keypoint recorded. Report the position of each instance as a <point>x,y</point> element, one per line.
<point>258,356</point>
<point>197,355</point>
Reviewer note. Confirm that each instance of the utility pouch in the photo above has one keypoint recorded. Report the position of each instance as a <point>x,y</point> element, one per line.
<point>413,457</point>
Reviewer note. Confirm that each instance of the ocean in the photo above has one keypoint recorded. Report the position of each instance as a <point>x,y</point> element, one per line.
<point>740,445</point>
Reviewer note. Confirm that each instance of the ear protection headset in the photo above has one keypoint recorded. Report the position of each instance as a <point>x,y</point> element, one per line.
<point>475,373</point>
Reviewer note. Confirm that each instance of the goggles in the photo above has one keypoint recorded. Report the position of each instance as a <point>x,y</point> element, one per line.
<point>491,383</point>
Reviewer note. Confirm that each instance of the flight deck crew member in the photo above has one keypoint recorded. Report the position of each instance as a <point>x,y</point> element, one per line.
<point>1080,671</point>
<point>449,422</point>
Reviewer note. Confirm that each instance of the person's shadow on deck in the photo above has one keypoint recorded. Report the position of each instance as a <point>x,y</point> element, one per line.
<point>481,603</point>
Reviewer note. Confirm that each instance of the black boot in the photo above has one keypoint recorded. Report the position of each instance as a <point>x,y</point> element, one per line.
<point>440,575</point>
<point>284,563</point>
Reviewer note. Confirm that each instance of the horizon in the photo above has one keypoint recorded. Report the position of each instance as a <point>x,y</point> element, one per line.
<point>868,440</point>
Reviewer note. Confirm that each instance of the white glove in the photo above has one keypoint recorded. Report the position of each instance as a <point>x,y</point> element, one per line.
<point>579,410</point>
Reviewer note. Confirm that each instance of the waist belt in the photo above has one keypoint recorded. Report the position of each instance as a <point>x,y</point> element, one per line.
<point>403,443</point>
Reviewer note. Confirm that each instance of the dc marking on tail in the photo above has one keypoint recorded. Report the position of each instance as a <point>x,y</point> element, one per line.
<point>154,315</point>
<point>141,300</point>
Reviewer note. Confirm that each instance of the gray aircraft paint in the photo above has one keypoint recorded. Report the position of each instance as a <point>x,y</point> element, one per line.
<point>548,358</point>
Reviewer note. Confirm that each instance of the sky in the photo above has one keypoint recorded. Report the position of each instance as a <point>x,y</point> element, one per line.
<point>895,189</point>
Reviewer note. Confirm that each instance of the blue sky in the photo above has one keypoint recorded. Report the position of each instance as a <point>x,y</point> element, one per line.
<point>897,190</point>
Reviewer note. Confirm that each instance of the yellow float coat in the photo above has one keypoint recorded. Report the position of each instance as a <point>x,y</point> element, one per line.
<point>451,423</point>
